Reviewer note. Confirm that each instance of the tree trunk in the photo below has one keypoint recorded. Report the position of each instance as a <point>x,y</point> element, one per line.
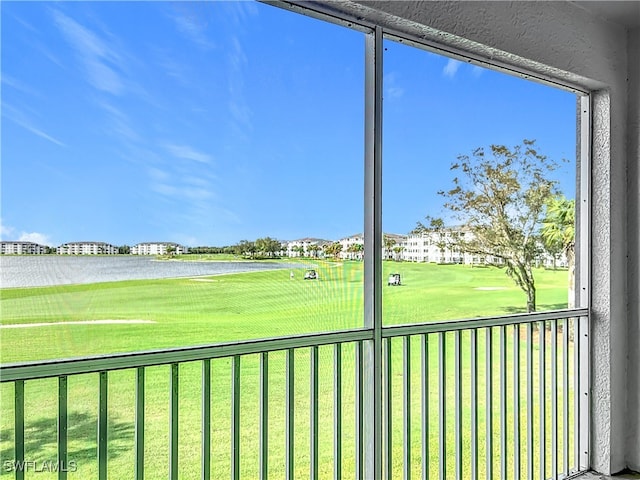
<point>531,299</point>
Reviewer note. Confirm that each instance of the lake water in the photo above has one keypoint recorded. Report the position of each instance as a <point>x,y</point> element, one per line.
<point>47,270</point>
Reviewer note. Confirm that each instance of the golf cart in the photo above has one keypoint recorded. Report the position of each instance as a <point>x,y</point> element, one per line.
<point>310,275</point>
<point>394,279</point>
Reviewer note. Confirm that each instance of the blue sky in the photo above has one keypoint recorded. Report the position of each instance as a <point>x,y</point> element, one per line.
<point>206,123</point>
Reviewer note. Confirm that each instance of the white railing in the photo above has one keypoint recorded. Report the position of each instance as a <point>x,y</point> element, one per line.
<point>484,398</point>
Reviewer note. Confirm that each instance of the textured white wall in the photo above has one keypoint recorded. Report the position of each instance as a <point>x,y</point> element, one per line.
<point>563,41</point>
<point>633,183</point>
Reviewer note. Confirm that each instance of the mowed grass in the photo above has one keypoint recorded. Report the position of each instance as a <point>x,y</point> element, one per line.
<point>235,307</point>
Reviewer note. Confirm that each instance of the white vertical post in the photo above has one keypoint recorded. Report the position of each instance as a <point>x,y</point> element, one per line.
<point>583,294</point>
<point>373,256</point>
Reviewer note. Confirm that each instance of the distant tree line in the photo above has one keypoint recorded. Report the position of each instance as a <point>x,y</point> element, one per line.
<point>266,247</point>
<point>212,250</point>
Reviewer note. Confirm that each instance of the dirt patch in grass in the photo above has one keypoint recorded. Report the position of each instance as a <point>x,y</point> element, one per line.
<point>79,322</point>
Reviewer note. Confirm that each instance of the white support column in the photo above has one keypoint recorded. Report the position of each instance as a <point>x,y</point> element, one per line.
<point>633,252</point>
<point>608,326</point>
<point>583,280</point>
<point>373,256</point>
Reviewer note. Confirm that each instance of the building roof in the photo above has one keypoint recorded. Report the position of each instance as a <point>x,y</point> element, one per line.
<point>310,239</point>
<point>157,243</point>
<point>86,243</point>
<point>22,242</point>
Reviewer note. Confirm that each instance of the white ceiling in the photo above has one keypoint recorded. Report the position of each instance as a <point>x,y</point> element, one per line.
<point>625,13</point>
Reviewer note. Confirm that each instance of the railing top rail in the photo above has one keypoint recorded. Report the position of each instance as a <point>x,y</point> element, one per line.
<point>118,361</point>
<point>73,366</point>
<point>471,323</point>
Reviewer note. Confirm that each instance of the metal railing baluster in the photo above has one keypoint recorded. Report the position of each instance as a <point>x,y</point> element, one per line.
<point>62,427</point>
<point>474,403</point>
<point>313,421</point>
<point>337,411</point>
<point>503,402</point>
<point>102,425</point>
<point>289,413</point>
<point>206,419</point>
<point>406,406</point>
<point>18,423</point>
<point>442,405</point>
<point>516,402</point>
<point>542,400</point>
<point>235,417</point>
<point>530,401</point>
<point>576,392</point>
<point>388,435</point>
<point>424,375</point>
<point>489,401</point>
<point>173,421</point>
<point>264,416</point>
<point>139,429</point>
<point>359,413</point>
<point>458,402</point>
<point>565,396</point>
<point>554,399</point>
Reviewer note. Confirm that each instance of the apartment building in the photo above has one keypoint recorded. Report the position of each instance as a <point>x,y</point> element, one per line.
<point>158,248</point>
<point>22,248</point>
<point>87,248</point>
<point>348,243</point>
<point>308,247</point>
<point>438,246</point>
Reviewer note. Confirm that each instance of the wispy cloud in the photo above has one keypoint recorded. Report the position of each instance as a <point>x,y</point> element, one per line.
<point>172,184</point>
<point>391,87</point>
<point>98,58</point>
<point>173,68</point>
<point>192,24</point>
<point>19,118</point>
<point>193,188</point>
<point>41,134</point>
<point>120,123</point>
<point>6,232</point>
<point>239,12</point>
<point>186,152</point>
<point>451,68</point>
<point>476,71</point>
<point>18,85</point>
<point>24,23</point>
<point>52,57</point>
<point>239,110</point>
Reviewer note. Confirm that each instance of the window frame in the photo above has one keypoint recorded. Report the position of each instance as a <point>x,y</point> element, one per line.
<point>375,33</point>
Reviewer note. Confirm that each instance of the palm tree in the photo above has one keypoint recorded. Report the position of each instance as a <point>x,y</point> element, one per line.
<point>333,249</point>
<point>558,228</point>
<point>389,242</point>
<point>299,249</point>
<point>359,249</point>
<point>355,249</point>
<point>313,250</point>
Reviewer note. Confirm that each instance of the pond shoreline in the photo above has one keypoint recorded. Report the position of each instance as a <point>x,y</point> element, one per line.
<point>22,271</point>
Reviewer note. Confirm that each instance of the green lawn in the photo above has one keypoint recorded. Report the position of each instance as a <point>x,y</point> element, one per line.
<point>234,307</point>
